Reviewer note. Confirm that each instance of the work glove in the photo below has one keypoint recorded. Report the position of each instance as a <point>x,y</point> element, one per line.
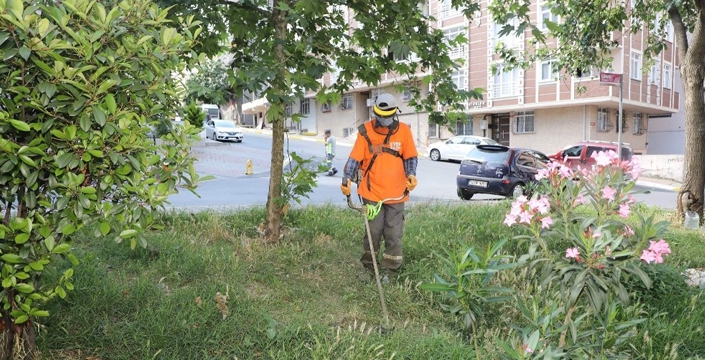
<point>345,188</point>
<point>411,182</point>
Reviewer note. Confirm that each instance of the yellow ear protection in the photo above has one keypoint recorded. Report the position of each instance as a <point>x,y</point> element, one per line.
<point>384,113</point>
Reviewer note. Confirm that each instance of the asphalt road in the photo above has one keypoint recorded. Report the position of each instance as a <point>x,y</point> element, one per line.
<point>231,188</point>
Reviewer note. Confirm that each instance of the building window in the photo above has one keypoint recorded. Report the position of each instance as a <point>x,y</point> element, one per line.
<point>432,130</point>
<point>326,107</point>
<point>655,73</point>
<point>289,109</point>
<point>586,73</point>
<point>305,107</point>
<point>639,128</point>
<point>406,96</point>
<point>548,72</point>
<point>636,66</point>
<point>447,10</point>
<point>347,102</point>
<point>505,83</point>
<point>603,121</point>
<point>524,122</point>
<point>667,75</point>
<point>460,79</point>
<point>511,40</point>
<point>547,14</point>
<point>460,50</point>
<point>464,127</point>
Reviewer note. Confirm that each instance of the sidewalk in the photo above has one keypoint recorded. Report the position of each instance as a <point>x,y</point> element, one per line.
<point>658,183</point>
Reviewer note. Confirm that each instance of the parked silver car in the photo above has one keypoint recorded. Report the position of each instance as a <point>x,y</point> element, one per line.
<point>456,147</point>
<point>217,129</point>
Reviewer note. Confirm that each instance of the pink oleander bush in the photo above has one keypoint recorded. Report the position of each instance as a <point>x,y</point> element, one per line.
<point>580,243</point>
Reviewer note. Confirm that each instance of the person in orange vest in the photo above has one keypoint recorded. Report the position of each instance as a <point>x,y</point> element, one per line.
<point>386,156</point>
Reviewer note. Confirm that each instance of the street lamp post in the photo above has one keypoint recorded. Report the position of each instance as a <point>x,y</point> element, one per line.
<point>612,79</point>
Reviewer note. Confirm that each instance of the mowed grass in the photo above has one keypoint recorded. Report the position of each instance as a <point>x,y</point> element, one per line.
<point>207,287</point>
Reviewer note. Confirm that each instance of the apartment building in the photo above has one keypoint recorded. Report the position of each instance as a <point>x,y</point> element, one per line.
<point>538,107</point>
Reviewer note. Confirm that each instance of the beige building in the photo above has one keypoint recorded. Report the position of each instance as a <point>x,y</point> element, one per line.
<point>536,108</point>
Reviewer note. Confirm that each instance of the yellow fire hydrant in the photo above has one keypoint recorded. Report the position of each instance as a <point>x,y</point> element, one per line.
<point>248,167</point>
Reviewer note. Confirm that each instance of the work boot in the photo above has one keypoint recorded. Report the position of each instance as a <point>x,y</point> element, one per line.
<point>329,173</point>
<point>387,275</point>
<point>335,171</point>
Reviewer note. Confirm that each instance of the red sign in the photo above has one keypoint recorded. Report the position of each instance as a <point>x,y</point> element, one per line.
<point>610,78</point>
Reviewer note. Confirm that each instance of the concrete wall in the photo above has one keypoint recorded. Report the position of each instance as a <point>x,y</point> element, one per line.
<point>662,166</point>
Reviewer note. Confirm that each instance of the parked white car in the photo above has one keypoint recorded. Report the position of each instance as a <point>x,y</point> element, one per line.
<point>217,129</point>
<point>456,147</point>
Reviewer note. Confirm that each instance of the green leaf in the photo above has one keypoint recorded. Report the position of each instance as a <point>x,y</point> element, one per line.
<point>110,103</point>
<point>7,282</point>
<point>16,8</point>
<point>128,233</point>
<point>21,319</point>
<point>39,313</point>
<point>99,115</point>
<point>49,243</point>
<point>85,122</point>
<point>61,248</point>
<point>21,238</point>
<point>25,52</point>
<point>19,125</point>
<point>68,229</point>
<point>12,258</point>
<point>104,228</point>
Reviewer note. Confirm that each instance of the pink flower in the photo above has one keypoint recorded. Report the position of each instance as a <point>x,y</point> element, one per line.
<point>525,217</point>
<point>542,174</point>
<point>544,204</point>
<point>522,199</point>
<point>581,199</point>
<point>572,253</point>
<point>624,210</point>
<point>566,172</point>
<point>608,193</point>
<point>628,231</point>
<point>527,349</point>
<point>546,222</point>
<point>597,235</point>
<point>634,168</point>
<point>510,219</point>
<point>651,257</point>
<point>660,247</point>
<point>601,158</point>
<point>516,209</point>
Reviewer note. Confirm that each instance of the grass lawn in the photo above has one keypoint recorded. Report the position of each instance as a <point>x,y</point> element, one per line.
<point>207,287</point>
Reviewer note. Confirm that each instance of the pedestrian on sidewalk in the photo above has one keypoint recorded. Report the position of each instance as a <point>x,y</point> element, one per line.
<point>330,152</point>
<point>386,155</point>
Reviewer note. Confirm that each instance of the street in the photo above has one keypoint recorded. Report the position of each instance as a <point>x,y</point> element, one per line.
<point>232,188</point>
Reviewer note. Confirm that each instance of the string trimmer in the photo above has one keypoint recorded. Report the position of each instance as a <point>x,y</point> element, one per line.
<point>369,212</point>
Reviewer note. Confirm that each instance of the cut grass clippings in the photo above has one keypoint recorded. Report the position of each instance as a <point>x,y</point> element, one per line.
<point>207,287</point>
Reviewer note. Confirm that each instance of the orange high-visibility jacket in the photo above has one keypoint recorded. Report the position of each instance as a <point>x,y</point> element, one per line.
<point>386,176</point>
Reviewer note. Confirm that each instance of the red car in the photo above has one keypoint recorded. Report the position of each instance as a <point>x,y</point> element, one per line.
<point>580,154</point>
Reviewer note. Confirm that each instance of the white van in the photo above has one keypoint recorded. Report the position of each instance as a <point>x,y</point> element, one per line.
<point>212,111</point>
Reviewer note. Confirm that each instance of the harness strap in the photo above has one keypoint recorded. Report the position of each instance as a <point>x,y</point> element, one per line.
<point>363,131</point>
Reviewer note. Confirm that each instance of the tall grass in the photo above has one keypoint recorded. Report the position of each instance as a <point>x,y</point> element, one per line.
<point>207,287</point>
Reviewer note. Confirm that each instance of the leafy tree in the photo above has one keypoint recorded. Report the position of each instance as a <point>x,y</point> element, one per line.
<point>281,49</point>
<point>588,31</point>
<point>194,115</point>
<point>209,83</point>
<point>79,85</point>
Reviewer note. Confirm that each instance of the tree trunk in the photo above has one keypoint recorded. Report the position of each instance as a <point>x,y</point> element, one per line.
<point>692,71</point>
<point>274,208</point>
<point>18,341</point>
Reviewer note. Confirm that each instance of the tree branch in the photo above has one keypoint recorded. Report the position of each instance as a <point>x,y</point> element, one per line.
<point>680,31</point>
<point>246,5</point>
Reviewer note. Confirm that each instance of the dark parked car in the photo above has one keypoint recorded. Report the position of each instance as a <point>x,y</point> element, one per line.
<point>498,170</point>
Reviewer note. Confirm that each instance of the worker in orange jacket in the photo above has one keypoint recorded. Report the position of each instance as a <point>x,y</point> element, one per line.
<point>386,156</point>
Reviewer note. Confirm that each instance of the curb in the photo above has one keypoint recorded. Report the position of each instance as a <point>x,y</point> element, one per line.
<point>658,185</point>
